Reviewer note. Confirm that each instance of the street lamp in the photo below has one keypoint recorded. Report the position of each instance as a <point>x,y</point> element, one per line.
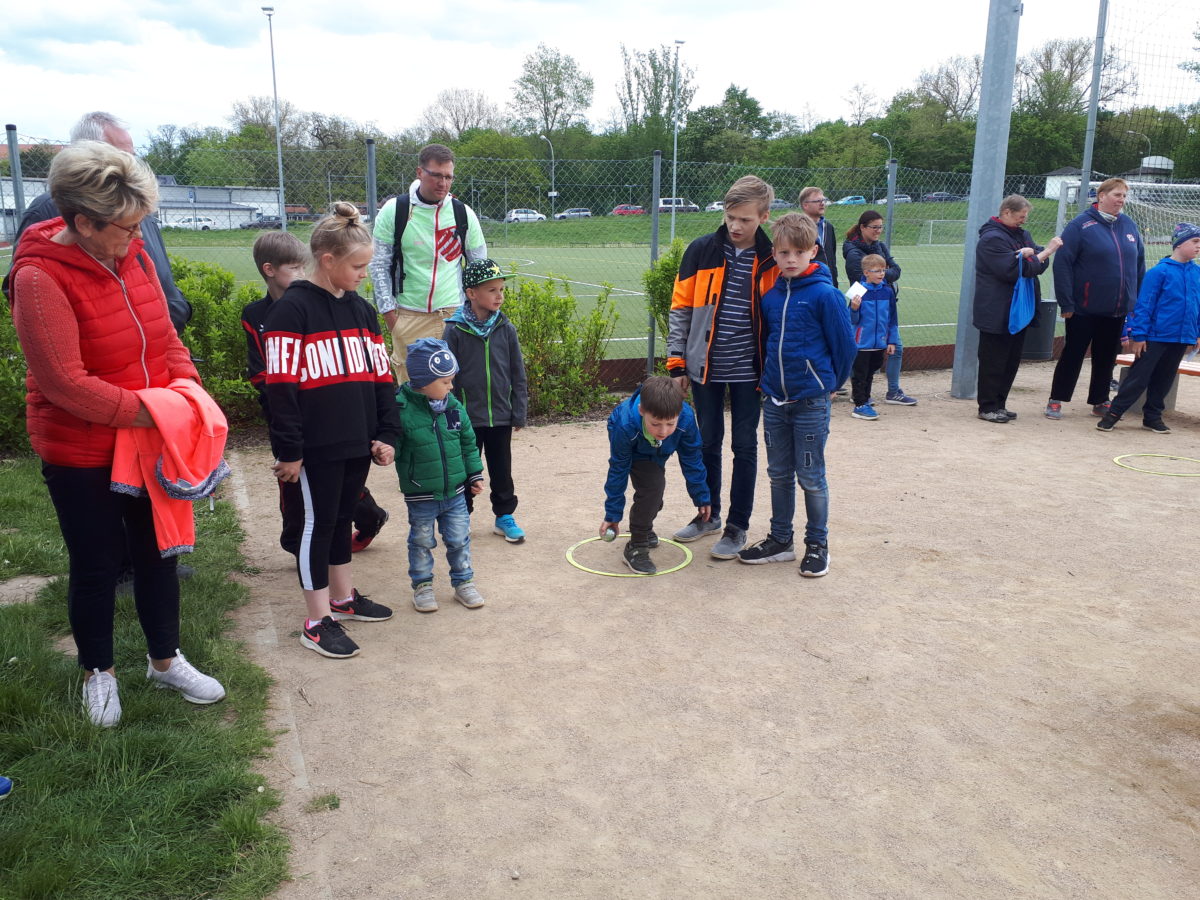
<point>675,139</point>
<point>1142,167</point>
<point>891,188</point>
<point>553,193</point>
<point>270,11</point>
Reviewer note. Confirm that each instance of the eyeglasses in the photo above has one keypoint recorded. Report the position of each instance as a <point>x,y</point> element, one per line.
<point>876,227</point>
<point>817,200</point>
<point>131,230</point>
<point>438,176</point>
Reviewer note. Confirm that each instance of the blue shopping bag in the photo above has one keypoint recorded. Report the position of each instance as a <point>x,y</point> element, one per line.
<point>1024,302</point>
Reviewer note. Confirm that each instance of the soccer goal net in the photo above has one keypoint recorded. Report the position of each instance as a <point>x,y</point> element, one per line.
<point>1157,208</point>
<point>943,232</point>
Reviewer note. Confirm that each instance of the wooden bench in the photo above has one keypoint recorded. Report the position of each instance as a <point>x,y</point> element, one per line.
<point>1185,368</point>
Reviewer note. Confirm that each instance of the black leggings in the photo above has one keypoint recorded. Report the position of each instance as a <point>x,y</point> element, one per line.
<point>97,525</point>
<point>318,510</point>
<point>1103,335</point>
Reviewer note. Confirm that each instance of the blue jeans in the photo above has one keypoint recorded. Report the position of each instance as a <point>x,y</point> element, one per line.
<point>454,523</point>
<point>795,436</point>
<point>744,404</point>
<point>892,368</point>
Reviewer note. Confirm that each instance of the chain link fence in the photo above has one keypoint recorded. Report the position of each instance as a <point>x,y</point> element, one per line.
<point>586,222</point>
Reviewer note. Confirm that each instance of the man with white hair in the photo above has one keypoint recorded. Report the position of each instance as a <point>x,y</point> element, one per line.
<point>102,126</point>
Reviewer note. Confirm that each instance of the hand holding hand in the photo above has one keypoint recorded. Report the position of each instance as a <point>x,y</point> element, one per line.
<point>382,453</point>
<point>287,471</point>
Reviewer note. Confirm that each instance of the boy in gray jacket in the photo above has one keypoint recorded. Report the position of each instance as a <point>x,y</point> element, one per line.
<point>490,383</point>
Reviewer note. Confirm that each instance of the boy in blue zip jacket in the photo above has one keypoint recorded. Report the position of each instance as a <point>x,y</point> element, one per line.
<point>643,432</point>
<point>491,384</point>
<point>808,350</point>
<point>1164,323</point>
<point>876,332</point>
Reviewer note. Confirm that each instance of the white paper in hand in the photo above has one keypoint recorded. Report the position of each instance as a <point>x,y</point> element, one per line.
<point>856,290</point>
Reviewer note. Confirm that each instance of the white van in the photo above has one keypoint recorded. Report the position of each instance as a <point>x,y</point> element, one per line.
<point>679,204</point>
<point>196,223</point>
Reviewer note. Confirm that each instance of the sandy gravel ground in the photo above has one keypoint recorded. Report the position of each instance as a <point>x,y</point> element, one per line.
<point>992,694</point>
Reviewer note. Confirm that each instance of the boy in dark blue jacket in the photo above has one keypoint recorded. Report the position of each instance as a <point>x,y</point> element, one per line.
<point>876,332</point>
<point>642,433</point>
<point>1163,325</point>
<point>808,348</point>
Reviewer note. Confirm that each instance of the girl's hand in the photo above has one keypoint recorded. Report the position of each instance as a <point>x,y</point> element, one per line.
<point>382,453</point>
<point>287,471</point>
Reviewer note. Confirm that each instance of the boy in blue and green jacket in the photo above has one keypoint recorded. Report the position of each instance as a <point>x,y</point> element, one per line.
<point>490,384</point>
<point>437,463</point>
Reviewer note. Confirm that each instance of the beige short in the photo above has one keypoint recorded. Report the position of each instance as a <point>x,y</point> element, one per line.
<point>411,325</point>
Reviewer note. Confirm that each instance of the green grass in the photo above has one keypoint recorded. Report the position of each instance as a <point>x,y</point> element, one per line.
<point>30,542</point>
<point>167,804</point>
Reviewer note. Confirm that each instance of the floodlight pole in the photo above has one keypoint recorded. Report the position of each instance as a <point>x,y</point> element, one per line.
<point>553,191</point>
<point>270,11</point>
<point>891,188</point>
<point>1084,199</point>
<point>675,139</point>
<point>1149,151</point>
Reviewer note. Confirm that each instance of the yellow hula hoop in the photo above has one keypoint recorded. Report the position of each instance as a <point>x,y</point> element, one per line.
<point>687,558</point>
<point>1117,460</point>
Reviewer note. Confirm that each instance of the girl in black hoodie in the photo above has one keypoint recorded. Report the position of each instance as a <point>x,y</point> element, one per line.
<point>330,393</point>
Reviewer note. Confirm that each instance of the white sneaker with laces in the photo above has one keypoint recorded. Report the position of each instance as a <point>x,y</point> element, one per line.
<point>182,676</point>
<point>100,699</point>
<point>468,595</point>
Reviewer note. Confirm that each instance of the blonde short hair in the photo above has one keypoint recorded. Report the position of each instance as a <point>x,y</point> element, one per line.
<point>1111,184</point>
<point>340,232</point>
<point>102,183</point>
<point>750,189</point>
<point>795,230</point>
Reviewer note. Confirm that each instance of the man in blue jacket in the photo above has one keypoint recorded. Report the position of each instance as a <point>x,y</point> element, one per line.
<point>1097,275</point>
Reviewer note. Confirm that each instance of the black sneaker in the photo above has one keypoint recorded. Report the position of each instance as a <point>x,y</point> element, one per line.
<point>1107,422</point>
<point>816,560</point>
<point>998,416</point>
<point>1009,413</point>
<point>652,541</point>
<point>638,559</point>
<point>328,638</point>
<point>768,550</point>
<point>359,607</point>
<point>1159,427</point>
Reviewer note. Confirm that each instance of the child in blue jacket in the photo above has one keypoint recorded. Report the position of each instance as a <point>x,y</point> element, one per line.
<point>1164,323</point>
<point>643,432</point>
<point>876,332</point>
<point>807,348</point>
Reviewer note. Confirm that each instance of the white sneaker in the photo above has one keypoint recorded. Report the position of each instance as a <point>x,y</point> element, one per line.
<point>100,699</point>
<point>182,676</point>
<point>468,595</point>
<point>423,598</point>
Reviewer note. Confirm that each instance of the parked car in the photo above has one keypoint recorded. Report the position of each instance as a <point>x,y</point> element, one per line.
<point>679,204</point>
<point>942,197</point>
<point>195,223</point>
<point>782,204</point>
<point>262,222</point>
<point>900,198</point>
<point>852,200</point>
<point>576,212</point>
<point>524,215</point>
<point>628,209</point>
<point>715,206</point>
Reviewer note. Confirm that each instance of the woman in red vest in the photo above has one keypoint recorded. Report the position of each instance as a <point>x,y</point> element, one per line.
<point>93,324</point>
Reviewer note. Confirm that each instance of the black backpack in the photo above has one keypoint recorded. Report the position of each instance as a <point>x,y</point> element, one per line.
<point>403,214</point>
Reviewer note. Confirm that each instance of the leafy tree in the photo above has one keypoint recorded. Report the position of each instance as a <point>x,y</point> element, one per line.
<point>458,110</point>
<point>552,91</point>
<point>647,89</point>
<point>954,85</point>
<point>1055,79</point>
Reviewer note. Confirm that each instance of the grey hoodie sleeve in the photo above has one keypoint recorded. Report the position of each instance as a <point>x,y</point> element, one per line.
<point>381,277</point>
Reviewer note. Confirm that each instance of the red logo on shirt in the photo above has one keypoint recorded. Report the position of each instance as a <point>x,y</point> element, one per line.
<point>449,247</point>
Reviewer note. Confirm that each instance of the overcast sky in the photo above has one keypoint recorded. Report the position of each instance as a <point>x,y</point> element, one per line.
<point>156,62</point>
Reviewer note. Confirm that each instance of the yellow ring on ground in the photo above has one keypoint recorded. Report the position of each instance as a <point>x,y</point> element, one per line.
<point>1117,460</point>
<point>687,558</point>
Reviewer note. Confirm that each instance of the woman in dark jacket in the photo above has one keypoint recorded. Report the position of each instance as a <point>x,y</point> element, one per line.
<point>1005,252</point>
<point>861,240</point>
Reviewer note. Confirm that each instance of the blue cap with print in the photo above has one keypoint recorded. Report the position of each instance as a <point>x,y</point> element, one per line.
<point>428,360</point>
<point>1184,231</point>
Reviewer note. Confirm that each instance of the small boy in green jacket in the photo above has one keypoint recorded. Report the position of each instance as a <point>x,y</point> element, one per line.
<point>437,462</point>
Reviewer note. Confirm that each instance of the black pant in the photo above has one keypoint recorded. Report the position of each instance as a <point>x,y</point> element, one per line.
<point>317,511</point>
<point>97,525</point>
<point>649,481</point>
<point>1103,334</point>
<point>495,445</point>
<point>1153,372</point>
<point>999,359</point>
<point>866,364</point>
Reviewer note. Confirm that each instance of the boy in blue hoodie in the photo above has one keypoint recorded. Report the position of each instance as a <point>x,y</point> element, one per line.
<point>1164,323</point>
<point>807,348</point>
<point>876,332</point>
<point>643,432</point>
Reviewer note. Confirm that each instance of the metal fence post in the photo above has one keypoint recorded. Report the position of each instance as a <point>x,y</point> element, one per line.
<point>655,187</point>
<point>372,180</point>
<point>14,160</point>
<point>1089,141</point>
<point>987,176</point>
<point>891,199</point>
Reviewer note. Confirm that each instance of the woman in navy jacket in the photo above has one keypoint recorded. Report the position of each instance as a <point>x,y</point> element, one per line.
<point>1005,252</point>
<point>1097,277</point>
